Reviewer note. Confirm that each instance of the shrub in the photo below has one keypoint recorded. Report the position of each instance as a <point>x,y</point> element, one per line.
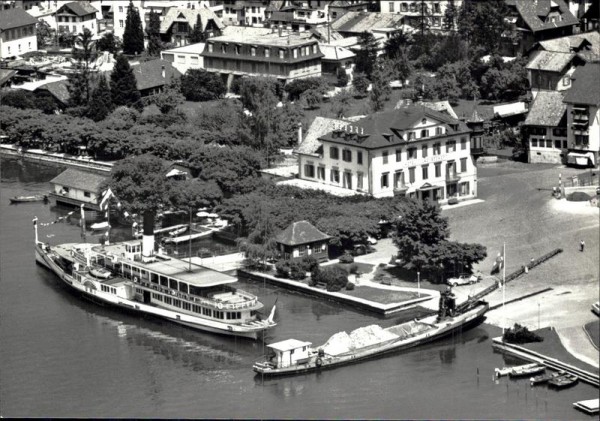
<point>342,78</point>
<point>353,268</point>
<point>200,85</point>
<point>297,271</point>
<point>349,286</point>
<point>520,335</point>
<point>282,268</point>
<point>309,263</point>
<point>334,277</point>
<point>346,258</point>
<point>297,87</point>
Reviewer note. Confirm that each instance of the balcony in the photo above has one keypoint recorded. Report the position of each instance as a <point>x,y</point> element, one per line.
<point>452,177</point>
<point>580,117</point>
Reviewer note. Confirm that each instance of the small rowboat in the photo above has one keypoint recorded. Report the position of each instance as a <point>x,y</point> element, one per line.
<point>100,225</point>
<point>178,231</point>
<point>25,199</point>
<point>561,382</point>
<point>543,378</point>
<point>522,371</point>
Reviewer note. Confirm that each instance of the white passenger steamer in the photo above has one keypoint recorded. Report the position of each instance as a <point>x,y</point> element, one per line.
<point>187,294</point>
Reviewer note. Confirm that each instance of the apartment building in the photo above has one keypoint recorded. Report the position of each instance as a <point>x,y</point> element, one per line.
<point>17,33</point>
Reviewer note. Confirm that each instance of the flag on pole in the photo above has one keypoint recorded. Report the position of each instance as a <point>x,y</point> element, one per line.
<point>105,198</point>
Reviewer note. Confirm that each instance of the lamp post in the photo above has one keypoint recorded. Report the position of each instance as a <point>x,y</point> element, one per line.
<point>419,283</point>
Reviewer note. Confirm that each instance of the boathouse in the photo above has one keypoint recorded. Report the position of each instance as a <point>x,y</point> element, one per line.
<point>74,187</point>
<point>302,239</point>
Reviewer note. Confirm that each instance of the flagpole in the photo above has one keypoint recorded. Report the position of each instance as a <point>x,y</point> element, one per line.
<point>503,283</point>
<point>83,223</point>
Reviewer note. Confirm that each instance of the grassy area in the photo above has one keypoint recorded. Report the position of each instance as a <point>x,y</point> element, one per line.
<point>361,267</point>
<point>397,276</point>
<point>383,296</point>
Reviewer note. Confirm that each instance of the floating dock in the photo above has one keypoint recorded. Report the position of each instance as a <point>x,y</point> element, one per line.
<point>589,406</point>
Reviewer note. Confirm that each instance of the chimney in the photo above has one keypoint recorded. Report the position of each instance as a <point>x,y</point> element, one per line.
<point>299,133</point>
<point>163,71</point>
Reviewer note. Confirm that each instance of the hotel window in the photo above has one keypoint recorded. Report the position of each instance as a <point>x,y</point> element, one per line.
<point>295,52</point>
<point>398,155</point>
<point>425,169</point>
<point>237,49</point>
<point>335,176</point>
<point>438,169</point>
<point>438,131</point>
<point>347,155</point>
<point>404,7</point>
<point>86,194</point>
<point>436,21</point>
<point>314,48</point>
<point>121,23</point>
<point>321,172</point>
<point>385,182</point>
<point>534,142</point>
<point>463,164</point>
<point>359,181</point>
<point>194,60</point>
<point>398,179</point>
<point>223,48</point>
<point>463,143</point>
<point>384,154</point>
<point>424,151</point>
<point>267,52</point>
<point>548,143</point>
<point>424,133</point>
<point>391,6</point>
<point>411,153</point>
<point>557,144</point>
<point>411,175</point>
<point>359,158</point>
<point>309,170</point>
<point>436,8</point>
<point>451,146</point>
<point>334,153</point>
<point>281,54</point>
<point>463,188</point>
<point>411,135</point>
<point>120,9</point>
<point>347,181</point>
<point>253,51</point>
<point>437,148</point>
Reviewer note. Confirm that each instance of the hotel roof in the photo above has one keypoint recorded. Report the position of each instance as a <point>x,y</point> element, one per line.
<point>357,22</point>
<point>319,127</point>
<point>271,39</point>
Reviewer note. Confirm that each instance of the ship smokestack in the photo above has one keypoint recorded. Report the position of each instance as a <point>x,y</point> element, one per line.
<point>148,237</point>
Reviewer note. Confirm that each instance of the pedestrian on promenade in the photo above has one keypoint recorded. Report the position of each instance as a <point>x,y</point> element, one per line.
<point>581,245</point>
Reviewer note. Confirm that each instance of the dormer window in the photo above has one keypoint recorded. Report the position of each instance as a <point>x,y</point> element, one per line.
<point>411,135</point>
<point>253,51</point>
<point>438,131</point>
<point>281,54</point>
<point>223,48</point>
<point>267,52</point>
<point>210,48</point>
<point>424,133</point>
<point>237,49</point>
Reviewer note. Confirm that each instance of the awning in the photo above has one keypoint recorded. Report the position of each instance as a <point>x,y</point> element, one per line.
<point>428,186</point>
<point>582,159</point>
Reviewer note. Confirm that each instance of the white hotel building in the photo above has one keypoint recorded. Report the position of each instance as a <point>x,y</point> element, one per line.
<point>413,151</point>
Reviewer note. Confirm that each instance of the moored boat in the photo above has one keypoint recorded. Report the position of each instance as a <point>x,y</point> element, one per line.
<point>589,406</point>
<point>526,371</point>
<point>32,198</point>
<point>294,357</point>
<point>504,371</point>
<point>563,381</point>
<point>188,294</point>
<point>543,378</point>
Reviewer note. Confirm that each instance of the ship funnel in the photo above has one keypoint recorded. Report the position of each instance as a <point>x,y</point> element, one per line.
<point>148,237</point>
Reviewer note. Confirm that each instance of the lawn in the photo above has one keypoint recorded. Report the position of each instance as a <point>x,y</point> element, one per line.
<point>397,276</point>
<point>382,296</point>
<point>361,267</point>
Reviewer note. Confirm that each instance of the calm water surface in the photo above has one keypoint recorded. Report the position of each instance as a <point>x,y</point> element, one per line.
<point>61,356</point>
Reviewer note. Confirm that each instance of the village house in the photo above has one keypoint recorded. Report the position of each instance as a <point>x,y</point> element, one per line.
<point>152,76</point>
<point>302,239</point>
<point>549,70</point>
<point>355,23</point>
<point>186,57</point>
<point>590,20</point>
<point>74,187</point>
<point>412,151</point>
<point>283,56</point>
<point>545,128</point>
<point>17,33</point>
<point>537,20</point>
<point>586,45</point>
<point>416,13</point>
<point>177,25</point>
<point>75,16</point>
<point>336,58</point>
<point>246,12</point>
<point>583,116</point>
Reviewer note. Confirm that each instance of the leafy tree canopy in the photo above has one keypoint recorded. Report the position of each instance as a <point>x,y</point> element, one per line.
<point>200,85</point>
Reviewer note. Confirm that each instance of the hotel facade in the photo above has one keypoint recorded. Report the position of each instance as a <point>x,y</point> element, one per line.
<point>412,151</point>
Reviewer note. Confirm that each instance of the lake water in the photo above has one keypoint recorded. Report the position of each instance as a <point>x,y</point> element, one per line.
<point>61,356</point>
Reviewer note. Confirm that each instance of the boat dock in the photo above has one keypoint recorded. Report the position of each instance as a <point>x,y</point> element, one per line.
<point>589,406</point>
<point>163,230</point>
<point>183,238</point>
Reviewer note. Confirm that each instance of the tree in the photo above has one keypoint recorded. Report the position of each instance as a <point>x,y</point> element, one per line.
<point>123,86</point>
<point>297,87</point>
<point>381,89</point>
<point>44,33</point>
<point>169,98</point>
<point>360,84</point>
<point>17,98</point>
<point>366,56</point>
<point>200,85</point>
<point>133,36</point>
<point>312,98</point>
<point>260,245</point>
<point>197,34</point>
<point>396,45</point>
<point>80,81</point>
<point>101,102</point>
<point>153,31</point>
<point>109,42</point>
<point>482,24</point>
<point>141,186</point>
<point>341,104</point>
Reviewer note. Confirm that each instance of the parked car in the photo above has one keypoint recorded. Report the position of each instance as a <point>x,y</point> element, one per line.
<point>360,249</point>
<point>464,279</point>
